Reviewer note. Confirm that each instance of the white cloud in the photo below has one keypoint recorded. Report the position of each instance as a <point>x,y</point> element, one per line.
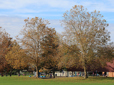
<point>28,8</point>
<point>101,5</point>
<point>13,25</point>
<point>14,4</point>
<point>47,9</point>
<point>57,25</point>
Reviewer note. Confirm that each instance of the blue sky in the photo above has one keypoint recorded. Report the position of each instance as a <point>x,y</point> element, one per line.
<point>13,12</point>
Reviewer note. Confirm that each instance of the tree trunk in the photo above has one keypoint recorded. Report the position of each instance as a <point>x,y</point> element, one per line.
<point>25,73</point>
<point>10,72</point>
<point>85,73</point>
<point>6,73</point>
<point>19,73</point>
<point>37,72</point>
<point>53,73</point>
<point>1,74</point>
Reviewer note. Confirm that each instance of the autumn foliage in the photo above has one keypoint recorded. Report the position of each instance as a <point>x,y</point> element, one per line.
<point>83,44</point>
<point>5,44</point>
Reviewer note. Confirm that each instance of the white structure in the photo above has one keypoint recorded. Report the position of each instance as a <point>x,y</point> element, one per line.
<point>69,73</point>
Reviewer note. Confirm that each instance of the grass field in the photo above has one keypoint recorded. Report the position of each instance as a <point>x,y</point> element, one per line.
<point>25,80</point>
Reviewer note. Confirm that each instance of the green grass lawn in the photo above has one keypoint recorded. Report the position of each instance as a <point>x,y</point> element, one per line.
<point>25,80</point>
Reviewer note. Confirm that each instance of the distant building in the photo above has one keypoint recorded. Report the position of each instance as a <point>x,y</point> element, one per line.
<point>108,71</point>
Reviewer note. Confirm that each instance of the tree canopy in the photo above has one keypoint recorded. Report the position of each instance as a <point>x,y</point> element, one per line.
<point>87,31</point>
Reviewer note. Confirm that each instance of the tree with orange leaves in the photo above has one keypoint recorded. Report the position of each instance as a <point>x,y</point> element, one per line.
<point>17,57</point>
<point>50,44</point>
<point>5,45</point>
<point>33,33</point>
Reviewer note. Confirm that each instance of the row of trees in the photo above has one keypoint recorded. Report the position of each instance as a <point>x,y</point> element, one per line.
<point>84,44</point>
